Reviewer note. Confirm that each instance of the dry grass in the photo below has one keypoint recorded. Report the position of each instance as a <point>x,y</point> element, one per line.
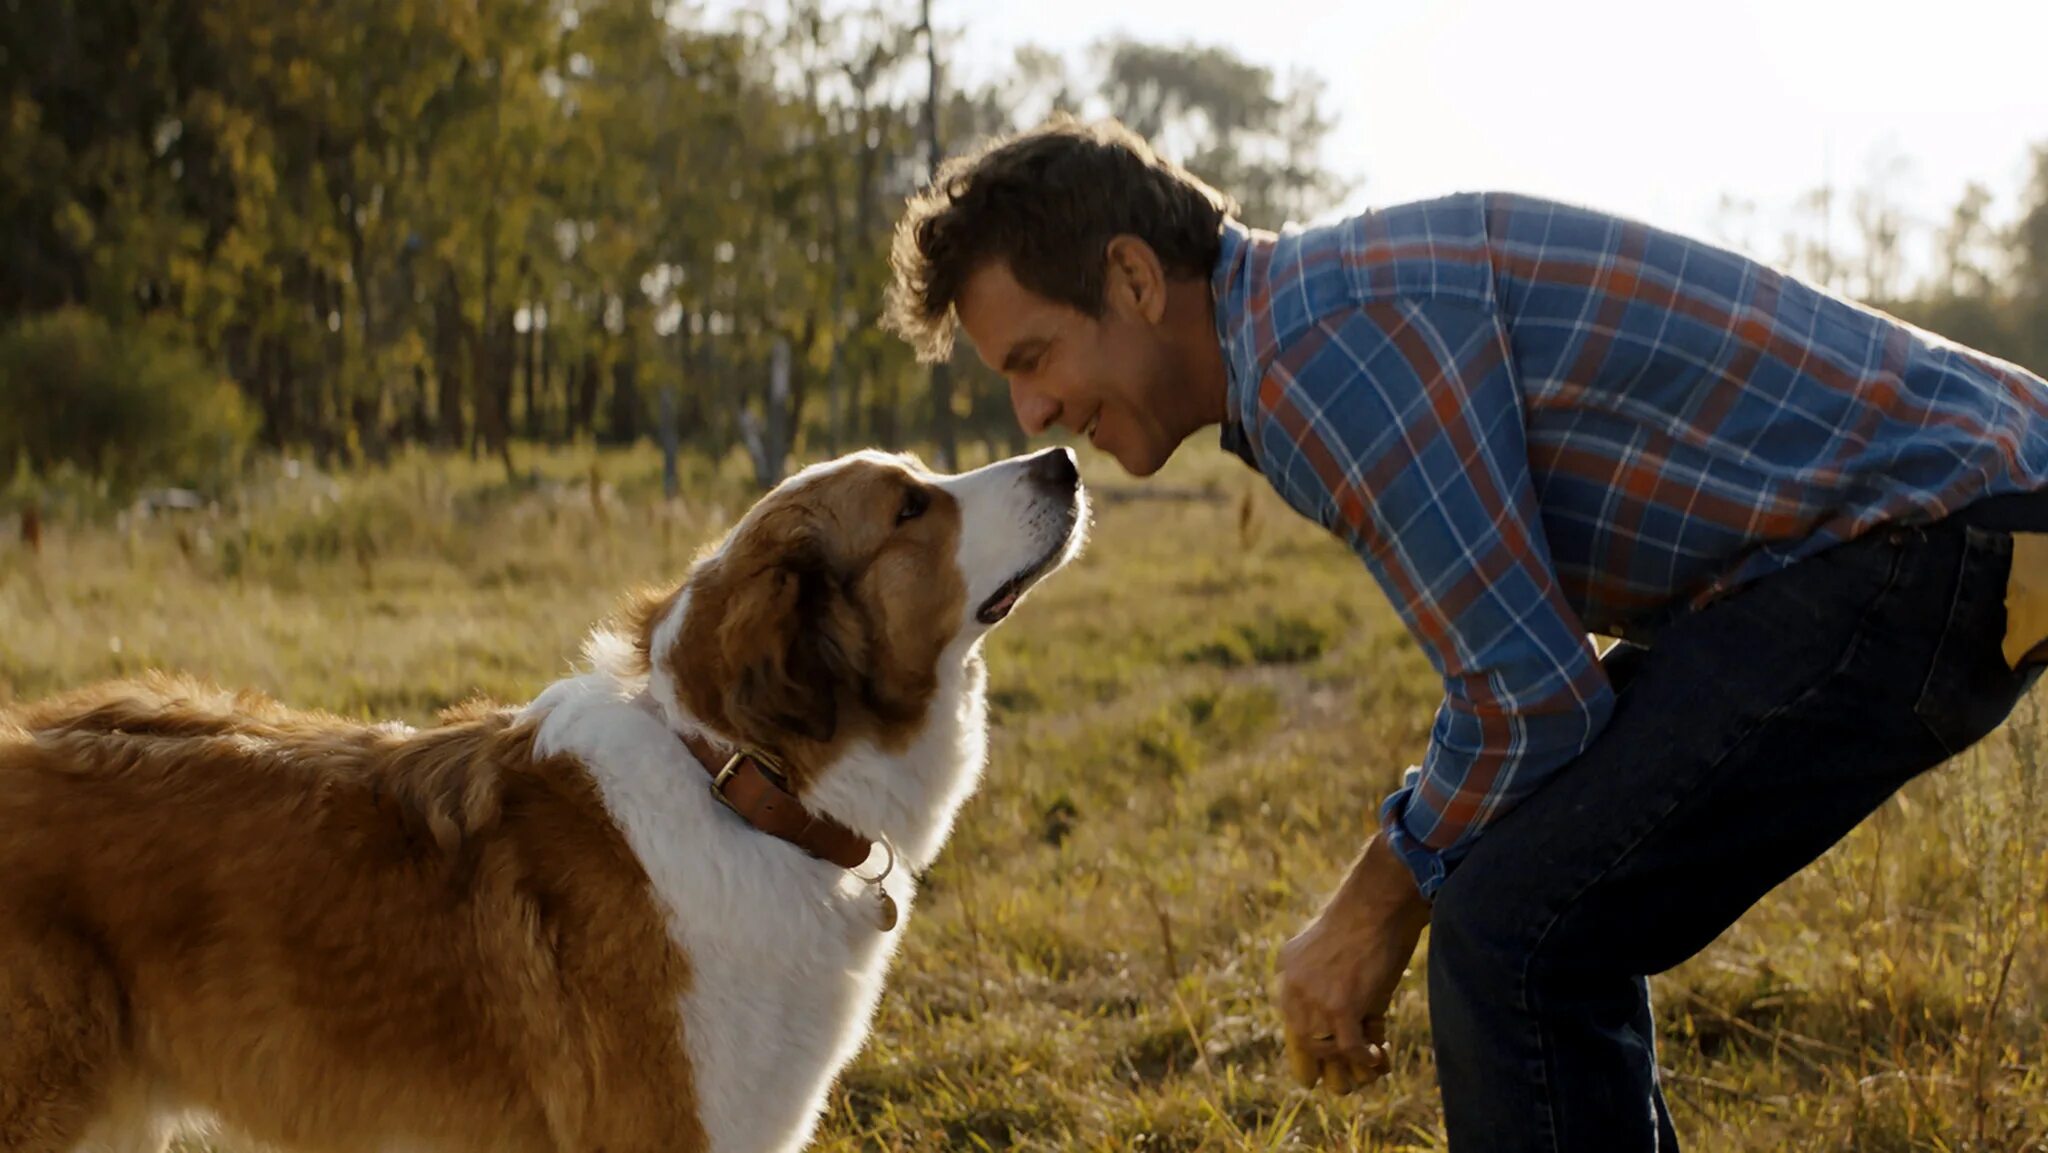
<point>1193,729</point>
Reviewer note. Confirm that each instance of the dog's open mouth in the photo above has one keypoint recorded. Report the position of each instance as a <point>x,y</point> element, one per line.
<point>1006,596</point>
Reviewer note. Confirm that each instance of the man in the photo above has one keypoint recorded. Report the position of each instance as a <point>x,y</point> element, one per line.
<point>1532,422</point>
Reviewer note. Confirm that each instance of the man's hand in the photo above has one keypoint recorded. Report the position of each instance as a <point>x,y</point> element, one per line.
<point>1337,977</point>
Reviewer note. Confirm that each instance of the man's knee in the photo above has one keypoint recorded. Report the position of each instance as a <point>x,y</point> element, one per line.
<point>1504,926</point>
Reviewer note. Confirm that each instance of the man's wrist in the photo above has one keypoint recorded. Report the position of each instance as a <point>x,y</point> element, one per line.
<point>1381,890</point>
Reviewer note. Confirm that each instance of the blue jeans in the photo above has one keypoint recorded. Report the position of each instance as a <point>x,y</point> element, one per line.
<point>1747,739</point>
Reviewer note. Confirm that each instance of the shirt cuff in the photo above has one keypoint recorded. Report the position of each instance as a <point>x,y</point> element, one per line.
<point>1428,866</point>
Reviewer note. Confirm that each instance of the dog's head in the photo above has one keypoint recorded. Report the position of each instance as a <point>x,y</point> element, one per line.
<point>833,607</point>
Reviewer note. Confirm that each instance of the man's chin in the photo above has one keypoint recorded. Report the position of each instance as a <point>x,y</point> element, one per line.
<point>1142,460</point>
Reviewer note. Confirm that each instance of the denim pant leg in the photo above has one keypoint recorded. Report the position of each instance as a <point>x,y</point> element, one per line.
<point>1751,738</point>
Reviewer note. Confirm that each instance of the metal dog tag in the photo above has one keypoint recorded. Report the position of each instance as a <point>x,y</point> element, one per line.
<point>886,913</point>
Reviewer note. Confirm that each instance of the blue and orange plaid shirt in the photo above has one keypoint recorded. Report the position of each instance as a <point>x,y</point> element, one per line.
<point>1533,422</point>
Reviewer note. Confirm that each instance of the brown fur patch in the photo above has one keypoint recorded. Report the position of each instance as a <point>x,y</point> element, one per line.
<point>635,620</point>
<point>823,617</point>
<point>331,935</point>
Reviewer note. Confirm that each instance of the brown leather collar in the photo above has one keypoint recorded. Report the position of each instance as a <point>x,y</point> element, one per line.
<point>751,789</point>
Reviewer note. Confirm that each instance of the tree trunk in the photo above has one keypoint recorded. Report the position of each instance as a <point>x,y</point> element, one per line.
<point>531,424</point>
<point>798,386</point>
<point>586,395</point>
<point>670,482</point>
<point>422,416</point>
<point>835,431</point>
<point>863,227</point>
<point>625,408</point>
<point>546,424</point>
<point>490,382</point>
<point>270,393</point>
<point>942,376</point>
<point>884,420</point>
<point>843,249</point>
<point>449,361</point>
<point>571,377</point>
<point>328,416</point>
<point>365,406</point>
<point>504,339</point>
<point>706,413</point>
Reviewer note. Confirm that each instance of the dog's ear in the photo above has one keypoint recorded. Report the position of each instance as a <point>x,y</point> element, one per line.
<point>789,642</point>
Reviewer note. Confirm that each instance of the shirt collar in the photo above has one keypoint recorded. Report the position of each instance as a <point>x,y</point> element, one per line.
<point>1230,289</point>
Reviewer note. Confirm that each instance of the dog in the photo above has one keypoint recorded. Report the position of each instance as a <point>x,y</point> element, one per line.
<point>649,911</point>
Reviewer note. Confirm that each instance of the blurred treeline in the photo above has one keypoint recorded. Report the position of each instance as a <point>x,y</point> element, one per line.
<point>343,228</point>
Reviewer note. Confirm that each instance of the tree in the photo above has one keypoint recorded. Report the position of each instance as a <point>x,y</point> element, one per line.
<point>398,220</point>
<point>1969,266</point>
<point>1880,225</point>
<point>2030,274</point>
<point>1229,122</point>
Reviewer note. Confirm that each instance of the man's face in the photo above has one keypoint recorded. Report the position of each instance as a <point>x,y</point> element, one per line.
<point>1107,378</point>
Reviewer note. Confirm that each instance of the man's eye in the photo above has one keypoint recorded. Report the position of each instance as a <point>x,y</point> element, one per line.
<point>915,501</point>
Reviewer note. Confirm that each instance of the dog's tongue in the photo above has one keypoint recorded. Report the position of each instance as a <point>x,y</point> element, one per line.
<point>998,609</point>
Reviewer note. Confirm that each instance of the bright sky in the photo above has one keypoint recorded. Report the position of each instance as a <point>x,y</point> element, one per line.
<point>1647,107</point>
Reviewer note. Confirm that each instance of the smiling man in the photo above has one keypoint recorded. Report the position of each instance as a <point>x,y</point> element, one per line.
<point>1533,422</point>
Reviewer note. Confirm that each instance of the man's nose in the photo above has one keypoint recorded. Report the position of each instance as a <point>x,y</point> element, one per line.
<point>1035,411</point>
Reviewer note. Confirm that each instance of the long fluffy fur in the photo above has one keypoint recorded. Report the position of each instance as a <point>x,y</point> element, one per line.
<point>336,935</point>
<point>530,929</point>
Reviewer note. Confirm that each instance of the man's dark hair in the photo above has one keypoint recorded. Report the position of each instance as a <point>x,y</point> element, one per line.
<point>1046,202</point>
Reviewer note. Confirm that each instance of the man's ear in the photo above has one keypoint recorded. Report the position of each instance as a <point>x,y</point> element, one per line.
<point>1134,279</point>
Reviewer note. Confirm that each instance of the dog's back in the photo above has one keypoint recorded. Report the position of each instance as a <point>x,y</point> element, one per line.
<point>326,935</point>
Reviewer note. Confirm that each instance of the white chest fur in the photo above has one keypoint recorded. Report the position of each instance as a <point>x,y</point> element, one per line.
<point>786,961</point>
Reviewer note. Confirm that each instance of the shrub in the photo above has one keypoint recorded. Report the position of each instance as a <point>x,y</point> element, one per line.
<point>126,407</point>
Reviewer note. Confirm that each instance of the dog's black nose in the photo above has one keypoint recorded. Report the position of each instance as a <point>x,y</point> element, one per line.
<point>1054,468</point>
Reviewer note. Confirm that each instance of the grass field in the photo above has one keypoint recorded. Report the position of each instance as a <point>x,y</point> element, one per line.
<point>1193,727</point>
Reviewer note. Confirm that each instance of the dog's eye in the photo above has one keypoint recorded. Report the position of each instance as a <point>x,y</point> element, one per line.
<point>915,501</point>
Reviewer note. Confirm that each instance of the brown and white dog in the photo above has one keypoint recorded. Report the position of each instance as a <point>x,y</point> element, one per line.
<point>527,929</point>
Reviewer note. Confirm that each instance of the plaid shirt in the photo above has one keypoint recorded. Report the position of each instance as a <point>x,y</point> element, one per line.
<point>1531,421</point>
